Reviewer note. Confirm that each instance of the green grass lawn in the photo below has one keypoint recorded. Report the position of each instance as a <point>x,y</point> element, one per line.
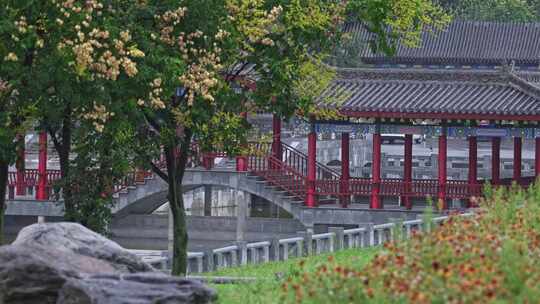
<point>267,288</point>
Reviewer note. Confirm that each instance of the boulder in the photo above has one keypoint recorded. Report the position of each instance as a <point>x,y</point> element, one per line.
<point>67,263</point>
<point>144,288</point>
<point>28,276</point>
<point>72,238</point>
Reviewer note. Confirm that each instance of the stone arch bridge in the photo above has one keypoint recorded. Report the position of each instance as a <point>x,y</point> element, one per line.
<point>145,197</point>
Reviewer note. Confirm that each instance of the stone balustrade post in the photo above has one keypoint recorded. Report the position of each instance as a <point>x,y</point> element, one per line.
<point>370,234</point>
<point>338,237</point>
<point>208,261</point>
<point>274,250</point>
<point>242,253</point>
<point>308,242</point>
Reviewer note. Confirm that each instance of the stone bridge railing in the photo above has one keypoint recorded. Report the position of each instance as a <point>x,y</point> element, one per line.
<point>305,244</point>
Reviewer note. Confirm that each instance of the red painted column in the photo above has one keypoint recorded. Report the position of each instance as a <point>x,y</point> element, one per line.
<point>537,157</point>
<point>241,160</point>
<point>20,188</point>
<point>495,160</point>
<point>208,161</point>
<point>42,168</point>
<point>345,173</point>
<point>407,171</point>
<point>376,202</point>
<point>276,142</point>
<point>442,170</point>
<point>473,165</point>
<point>517,159</point>
<point>311,200</point>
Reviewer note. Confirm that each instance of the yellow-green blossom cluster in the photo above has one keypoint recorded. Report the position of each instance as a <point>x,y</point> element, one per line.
<point>99,116</point>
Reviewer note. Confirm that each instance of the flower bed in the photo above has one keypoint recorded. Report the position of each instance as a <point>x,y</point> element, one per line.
<point>493,256</point>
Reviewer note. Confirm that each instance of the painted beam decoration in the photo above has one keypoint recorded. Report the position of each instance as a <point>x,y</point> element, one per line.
<point>302,128</point>
<point>363,129</point>
<point>461,132</point>
<point>430,131</point>
<point>356,129</point>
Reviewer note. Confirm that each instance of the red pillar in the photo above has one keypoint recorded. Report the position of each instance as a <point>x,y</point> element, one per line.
<point>345,174</point>
<point>311,200</point>
<point>208,161</point>
<point>20,188</point>
<point>473,165</point>
<point>442,170</point>
<point>42,168</point>
<point>517,159</point>
<point>241,163</point>
<point>537,158</point>
<point>276,142</point>
<point>241,160</point>
<point>376,202</point>
<point>495,160</point>
<point>407,171</point>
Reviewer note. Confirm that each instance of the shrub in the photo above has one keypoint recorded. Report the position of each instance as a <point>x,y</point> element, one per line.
<point>492,256</point>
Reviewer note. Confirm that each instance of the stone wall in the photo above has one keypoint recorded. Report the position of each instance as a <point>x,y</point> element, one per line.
<point>150,231</point>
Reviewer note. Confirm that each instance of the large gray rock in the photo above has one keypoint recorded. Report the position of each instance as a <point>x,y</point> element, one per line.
<point>146,288</point>
<point>47,258</point>
<point>72,238</point>
<point>28,276</point>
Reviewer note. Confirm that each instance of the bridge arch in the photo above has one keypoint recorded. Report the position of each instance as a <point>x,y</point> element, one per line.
<point>147,197</point>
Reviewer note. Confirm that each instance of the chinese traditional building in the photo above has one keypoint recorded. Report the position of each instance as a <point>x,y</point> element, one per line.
<point>475,79</point>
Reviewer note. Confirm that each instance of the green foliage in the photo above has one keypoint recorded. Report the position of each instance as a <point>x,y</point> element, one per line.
<point>271,276</point>
<point>67,63</point>
<point>103,159</point>
<point>495,10</point>
<point>394,20</point>
<point>489,257</point>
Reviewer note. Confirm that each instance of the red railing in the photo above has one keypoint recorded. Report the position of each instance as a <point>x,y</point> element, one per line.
<point>397,187</point>
<point>279,174</point>
<point>422,188</point>
<point>31,180</point>
<point>298,160</point>
<point>327,179</point>
<point>290,174</point>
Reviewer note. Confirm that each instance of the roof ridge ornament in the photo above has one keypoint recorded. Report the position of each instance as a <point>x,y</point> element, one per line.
<point>506,67</point>
<point>523,85</point>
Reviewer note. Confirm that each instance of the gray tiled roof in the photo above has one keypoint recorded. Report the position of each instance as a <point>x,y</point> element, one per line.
<point>463,43</point>
<point>434,91</point>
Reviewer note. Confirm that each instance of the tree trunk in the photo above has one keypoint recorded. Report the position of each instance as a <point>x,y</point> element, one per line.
<point>175,171</point>
<point>62,146</point>
<point>4,166</point>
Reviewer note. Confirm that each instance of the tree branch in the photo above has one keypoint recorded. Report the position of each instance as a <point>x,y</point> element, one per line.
<point>159,172</point>
<point>53,137</point>
<point>154,124</point>
<point>184,152</point>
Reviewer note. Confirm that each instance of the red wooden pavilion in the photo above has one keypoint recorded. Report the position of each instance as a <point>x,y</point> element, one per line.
<point>474,79</point>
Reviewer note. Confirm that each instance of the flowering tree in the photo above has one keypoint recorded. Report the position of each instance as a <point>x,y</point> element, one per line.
<point>13,116</point>
<point>17,52</point>
<point>70,59</point>
<point>208,62</point>
<point>200,58</point>
<point>174,72</point>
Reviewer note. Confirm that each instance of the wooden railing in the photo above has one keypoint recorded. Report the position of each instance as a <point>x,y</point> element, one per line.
<point>298,160</point>
<point>397,187</point>
<point>279,174</point>
<point>289,173</point>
